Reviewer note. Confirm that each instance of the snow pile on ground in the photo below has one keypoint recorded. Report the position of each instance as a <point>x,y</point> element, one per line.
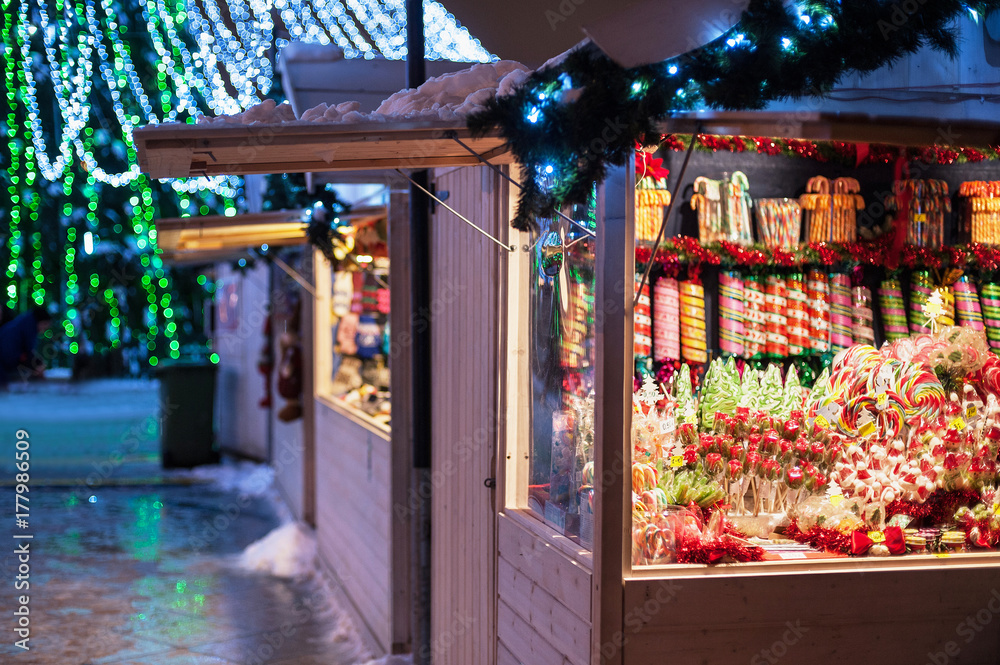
<point>243,477</point>
<point>451,96</point>
<point>288,551</point>
<point>392,660</point>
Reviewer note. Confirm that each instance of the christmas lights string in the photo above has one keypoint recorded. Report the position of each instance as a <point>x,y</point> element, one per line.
<point>244,55</point>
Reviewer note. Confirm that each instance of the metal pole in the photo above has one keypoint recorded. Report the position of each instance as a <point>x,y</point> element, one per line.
<point>420,331</point>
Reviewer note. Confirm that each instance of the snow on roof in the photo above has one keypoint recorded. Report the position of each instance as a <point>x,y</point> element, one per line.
<point>451,96</point>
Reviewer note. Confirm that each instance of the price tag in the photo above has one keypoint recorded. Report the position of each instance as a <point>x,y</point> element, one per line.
<point>676,461</point>
<point>971,412</point>
<point>920,217</point>
<point>867,429</point>
<point>836,499</point>
<point>882,399</point>
<point>942,555</point>
<point>957,424</point>
<point>822,421</point>
<point>876,536</point>
<point>664,427</point>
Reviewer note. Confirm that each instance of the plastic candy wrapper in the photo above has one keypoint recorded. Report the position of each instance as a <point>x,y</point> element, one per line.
<point>953,350</point>
<point>837,512</point>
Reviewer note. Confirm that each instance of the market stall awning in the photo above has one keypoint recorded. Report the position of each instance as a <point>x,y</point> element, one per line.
<point>213,233</point>
<point>181,151</point>
<point>212,238</point>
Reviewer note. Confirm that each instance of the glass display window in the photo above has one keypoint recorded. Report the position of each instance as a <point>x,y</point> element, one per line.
<point>798,395</point>
<point>358,315</point>
<point>557,311</point>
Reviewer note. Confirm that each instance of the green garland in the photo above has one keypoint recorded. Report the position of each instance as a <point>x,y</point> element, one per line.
<point>568,123</point>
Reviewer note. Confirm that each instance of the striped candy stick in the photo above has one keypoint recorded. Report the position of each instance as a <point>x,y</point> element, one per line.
<point>731,313</point>
<point>970,313</point>
<point>892,309</point>
<point>840,311</point>
<point>694,347</point>
<point>991,313</point>
<point>666,320</point>
<point>775,306</point>
<point>642,322</point>
<point>755,320</point>
<point>818,296</point>
<point>798,315</point>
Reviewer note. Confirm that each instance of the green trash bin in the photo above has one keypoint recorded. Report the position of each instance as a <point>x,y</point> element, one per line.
<point>187,410</point>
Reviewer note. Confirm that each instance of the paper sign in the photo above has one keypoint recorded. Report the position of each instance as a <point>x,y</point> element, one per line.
<point>958,424</point>
<point>882,399</point>
<point>867,429</point>
<point>792,555</point>
<point>822,422</point>
<point>836,499</point>
<point>971,412</point>
<point>876,536</point>
<point>676,461</point>
<point>664,427</point>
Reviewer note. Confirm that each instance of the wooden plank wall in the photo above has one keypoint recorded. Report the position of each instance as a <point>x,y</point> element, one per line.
<point>353,515</point>
<point>543,615</point>
<point>467,270</point>
<point>242,423</point>
<point>941,615</point>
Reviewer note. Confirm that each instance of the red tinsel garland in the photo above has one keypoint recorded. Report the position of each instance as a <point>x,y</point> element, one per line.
<point>688,250</point>
<point>692,549</point>
<point>829,540</point>
<point>825,151</point>
<point>939,508</point>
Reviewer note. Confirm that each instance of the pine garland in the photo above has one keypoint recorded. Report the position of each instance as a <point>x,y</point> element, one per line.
<point>572,121</point>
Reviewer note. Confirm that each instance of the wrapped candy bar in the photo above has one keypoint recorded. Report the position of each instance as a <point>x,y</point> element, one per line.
<point>818,298</point>
<point>840,311</point>
<point>862,317</point>
<point>694,346</point>
<point>991,313</point>
<point>967,305</point>
<point>731,326</point>
<point>775,304</point>
<point>755,321</point>
<point>797,315</point>
<point>643,323</point>
<point>893,309</point>
<point>666,319</point>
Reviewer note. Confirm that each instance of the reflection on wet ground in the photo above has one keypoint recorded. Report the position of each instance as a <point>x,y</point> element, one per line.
<point>147,576</point>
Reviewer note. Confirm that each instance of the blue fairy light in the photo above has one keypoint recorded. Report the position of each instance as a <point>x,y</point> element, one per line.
<point>533,114</point>
<point>672,69</point>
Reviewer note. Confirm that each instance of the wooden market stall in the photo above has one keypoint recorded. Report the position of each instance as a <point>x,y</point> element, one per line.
<point>364,501</point>
<point>562,601</point>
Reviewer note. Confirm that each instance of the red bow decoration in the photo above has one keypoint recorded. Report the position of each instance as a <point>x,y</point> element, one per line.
<point>647,167</point>
<point>861,543</point>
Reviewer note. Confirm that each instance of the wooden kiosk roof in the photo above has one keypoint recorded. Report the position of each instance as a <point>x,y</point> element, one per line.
<point>182,151</point>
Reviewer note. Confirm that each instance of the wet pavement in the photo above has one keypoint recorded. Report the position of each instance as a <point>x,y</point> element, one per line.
<point>101,431</point>
<point>142,574</point>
